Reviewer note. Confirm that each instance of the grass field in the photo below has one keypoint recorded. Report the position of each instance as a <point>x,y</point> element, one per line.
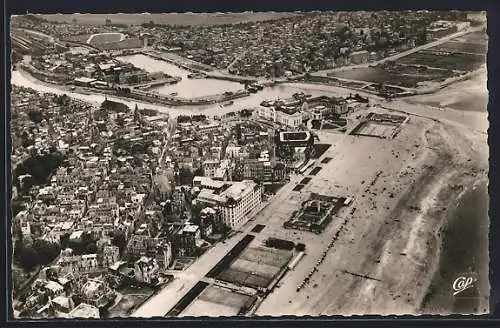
<point>380,75</point>
<point>476,37</point>
<point>456,61</point>
<point>453,46</point>
<point>182,19</point>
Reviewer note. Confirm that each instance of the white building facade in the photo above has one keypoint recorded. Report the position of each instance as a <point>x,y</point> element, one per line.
<point>235,202</point>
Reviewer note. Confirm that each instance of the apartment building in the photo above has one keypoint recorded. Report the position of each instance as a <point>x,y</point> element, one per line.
<point>234,201</point>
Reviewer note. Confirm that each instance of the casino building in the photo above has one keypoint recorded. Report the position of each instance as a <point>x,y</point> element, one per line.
<point>294,139</point>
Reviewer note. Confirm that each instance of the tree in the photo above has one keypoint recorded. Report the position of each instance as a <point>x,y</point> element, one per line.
<point>17,206</point>
<point>35,116</point>
<point>119,240</point>
<point>91,248</point>
<point>195,211</point>
<point>18,249</point>
<point>47,251</point>
<point>245,113</point>
<point>64,240</point>
<point>185,176</point>
<point>28,258</point>
<point>137,115</point>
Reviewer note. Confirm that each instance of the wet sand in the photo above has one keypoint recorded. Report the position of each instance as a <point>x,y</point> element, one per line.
<point>464,249</point>
<point>468,95</point>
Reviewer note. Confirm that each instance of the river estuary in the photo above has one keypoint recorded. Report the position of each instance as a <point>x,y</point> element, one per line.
<point>185,88</point>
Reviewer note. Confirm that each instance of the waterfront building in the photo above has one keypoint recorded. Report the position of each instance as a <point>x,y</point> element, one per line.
<point>289,116</point>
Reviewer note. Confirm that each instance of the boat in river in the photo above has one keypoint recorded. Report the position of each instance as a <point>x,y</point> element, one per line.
<point>196,76</point>
<point>226,104</point>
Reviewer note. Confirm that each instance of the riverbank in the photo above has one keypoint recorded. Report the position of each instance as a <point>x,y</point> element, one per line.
<point>151,97</point>
<point>281,91</point>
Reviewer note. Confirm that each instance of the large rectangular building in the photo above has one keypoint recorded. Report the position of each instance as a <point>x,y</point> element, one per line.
<point>289,116</point>
<point>234,201</point>
<point>287,140</point>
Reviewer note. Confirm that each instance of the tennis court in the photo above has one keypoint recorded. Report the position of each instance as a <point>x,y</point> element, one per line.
<point>219,295</point>
<point>256,267</point>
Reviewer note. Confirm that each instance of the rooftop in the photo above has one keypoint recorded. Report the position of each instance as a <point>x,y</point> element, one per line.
<point>84,80</point>
<point>295,136</point>
<point>191,228</point>
<point>235,191</point>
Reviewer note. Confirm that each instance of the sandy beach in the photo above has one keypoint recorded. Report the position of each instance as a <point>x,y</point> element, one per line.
<point>394,237</point>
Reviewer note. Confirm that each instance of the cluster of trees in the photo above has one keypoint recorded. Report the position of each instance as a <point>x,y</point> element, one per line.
<point>245,113</point>
<point>150,24</point>
<point>114,106</point>
<point>148,112</point>
<point>191,118</point>
<point>186,176</point>
<point>119,240</point>
<point>62,100</point>
<point>17,206</point>
<point>27,139</point>
<point>287,152</point>
<point>35,116</point>
<point>35,18</point>
<point>41,252</point>
<point>40,167</point>
<point>86,244</point>
<point>100,115</point>
<point>123,91</point>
